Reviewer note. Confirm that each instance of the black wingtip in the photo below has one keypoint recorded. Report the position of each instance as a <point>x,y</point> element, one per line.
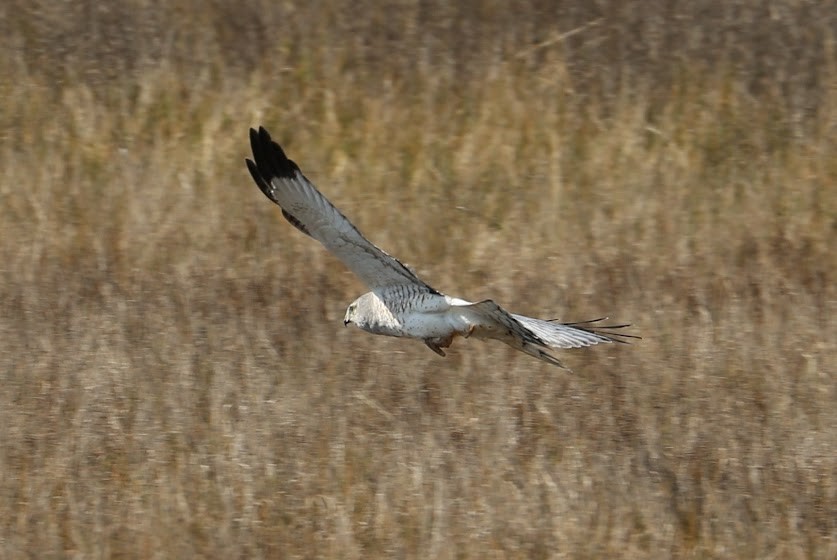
<point>260,181</point>
<point>269,156</point>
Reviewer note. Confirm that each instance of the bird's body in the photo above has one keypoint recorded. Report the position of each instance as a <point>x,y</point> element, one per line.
<point>402,311</point>
<point>399,303</point>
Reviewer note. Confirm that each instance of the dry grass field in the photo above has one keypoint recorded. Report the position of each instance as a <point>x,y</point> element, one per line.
<point>175,380</point>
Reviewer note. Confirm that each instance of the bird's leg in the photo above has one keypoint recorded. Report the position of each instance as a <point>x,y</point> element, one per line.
<point>436,344</point>
<point>469,332</point>
<point>435,347</point>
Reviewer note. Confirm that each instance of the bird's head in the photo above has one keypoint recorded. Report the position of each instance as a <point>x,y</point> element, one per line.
<point>351,314</point>
<point>361,312</point>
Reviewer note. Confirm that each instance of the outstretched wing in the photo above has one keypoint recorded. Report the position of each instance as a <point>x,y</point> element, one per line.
<point>280,179</point>
<point>572,335</point>
<point>486,319</point>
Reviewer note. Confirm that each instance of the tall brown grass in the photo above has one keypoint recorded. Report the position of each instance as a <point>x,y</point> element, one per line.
<point>175,378</point>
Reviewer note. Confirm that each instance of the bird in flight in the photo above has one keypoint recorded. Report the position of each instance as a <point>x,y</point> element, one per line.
<point>401,304</point>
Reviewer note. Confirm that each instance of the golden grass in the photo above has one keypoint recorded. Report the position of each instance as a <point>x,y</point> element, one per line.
<point>175,379</point>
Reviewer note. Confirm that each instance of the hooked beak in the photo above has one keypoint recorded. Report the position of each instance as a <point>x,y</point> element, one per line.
<point>346,322</point>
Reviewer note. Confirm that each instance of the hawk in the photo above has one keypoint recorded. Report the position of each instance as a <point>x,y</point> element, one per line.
<point>399,303</point>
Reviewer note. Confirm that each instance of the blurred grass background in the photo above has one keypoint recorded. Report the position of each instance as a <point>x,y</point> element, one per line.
<point>175,378</point>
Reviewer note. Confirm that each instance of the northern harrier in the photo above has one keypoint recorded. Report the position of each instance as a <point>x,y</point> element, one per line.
<point>401,304</point>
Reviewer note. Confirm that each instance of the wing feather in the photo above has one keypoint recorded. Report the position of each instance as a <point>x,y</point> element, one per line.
<point>489,320</point>
<point>281,180</point>
<point>571,335</point>
<point>533,336</point>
